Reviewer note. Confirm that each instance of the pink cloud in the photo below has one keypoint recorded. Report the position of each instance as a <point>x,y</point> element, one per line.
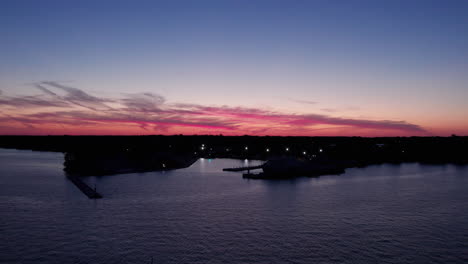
<point>145,110</point>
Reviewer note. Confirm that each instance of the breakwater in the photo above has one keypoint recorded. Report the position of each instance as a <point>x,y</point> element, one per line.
<point>244,168</point>
<point>88,191</point>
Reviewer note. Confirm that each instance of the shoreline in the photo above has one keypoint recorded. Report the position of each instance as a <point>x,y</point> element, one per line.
<point>290,156</point>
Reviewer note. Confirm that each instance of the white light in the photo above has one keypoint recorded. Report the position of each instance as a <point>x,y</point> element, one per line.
<point>246,148</point>
<point>287,149</point>
<point>304,152</point>
<point>321,150</point>
<point>267,150</point>
<point>164,165</point>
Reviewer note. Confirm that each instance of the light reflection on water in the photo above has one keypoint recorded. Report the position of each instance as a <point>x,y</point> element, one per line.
<point>407,213</point>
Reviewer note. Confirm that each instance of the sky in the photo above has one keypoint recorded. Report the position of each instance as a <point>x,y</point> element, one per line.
<point>279,68</point>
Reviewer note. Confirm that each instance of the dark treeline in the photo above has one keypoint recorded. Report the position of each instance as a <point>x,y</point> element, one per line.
<point>363,150</point>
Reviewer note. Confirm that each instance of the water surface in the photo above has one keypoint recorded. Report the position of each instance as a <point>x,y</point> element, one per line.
<point>407,213</point>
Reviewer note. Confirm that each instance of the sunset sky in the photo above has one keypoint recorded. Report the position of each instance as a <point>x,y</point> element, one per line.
<point>308,68</point>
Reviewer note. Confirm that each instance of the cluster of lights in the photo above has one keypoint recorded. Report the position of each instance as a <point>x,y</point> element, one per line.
<point>246,148</point>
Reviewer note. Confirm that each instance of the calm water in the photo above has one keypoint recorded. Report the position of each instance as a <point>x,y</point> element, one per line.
<point>406,213</point>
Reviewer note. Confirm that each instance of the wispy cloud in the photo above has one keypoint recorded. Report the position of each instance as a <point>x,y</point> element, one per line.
<point>143,102</point>
<point>46,91</point>
<point>302,101</point>
<point>340,109</point>
<point>150,112</point>
<point>74,95</point>
<point>312,119</point>
<point>19,120</point>
<point>30,102</point>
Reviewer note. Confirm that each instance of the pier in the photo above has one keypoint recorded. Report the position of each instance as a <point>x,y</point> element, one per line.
<point>244,168</point>
<point>88,191</point>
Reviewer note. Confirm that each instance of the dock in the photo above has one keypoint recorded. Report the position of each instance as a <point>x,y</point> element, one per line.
<point>88,191</point>
<point>244,168</point>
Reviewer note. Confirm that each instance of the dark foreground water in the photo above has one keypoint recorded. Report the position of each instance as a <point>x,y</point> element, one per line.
<point>406,213</point>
